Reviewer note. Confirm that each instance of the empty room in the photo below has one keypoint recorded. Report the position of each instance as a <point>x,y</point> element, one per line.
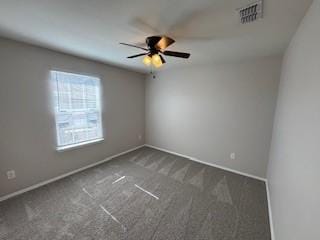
<point>159,120</point>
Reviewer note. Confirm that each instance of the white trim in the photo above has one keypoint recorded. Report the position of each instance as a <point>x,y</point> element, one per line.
<point>79,145</point>
<point>270,212</point>
<point>65,175</point>
<point>209,164</point>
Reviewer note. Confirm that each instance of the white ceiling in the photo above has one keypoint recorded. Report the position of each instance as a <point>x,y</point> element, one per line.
<point>208,29</point>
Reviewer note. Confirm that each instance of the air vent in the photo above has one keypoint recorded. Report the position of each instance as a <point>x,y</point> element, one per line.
<point>251,12</point>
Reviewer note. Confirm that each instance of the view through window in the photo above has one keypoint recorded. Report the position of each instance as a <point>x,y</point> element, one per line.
<point>77,108</point>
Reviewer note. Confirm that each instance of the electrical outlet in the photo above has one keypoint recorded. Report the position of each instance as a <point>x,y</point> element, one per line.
<point>139,136</point>
<point>232,156</point>
<point>11,174</point>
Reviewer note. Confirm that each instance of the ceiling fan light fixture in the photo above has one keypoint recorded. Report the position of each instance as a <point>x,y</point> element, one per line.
<point>153,53</point>
<point>156,60</point>
<point>147,60</point>
<point>158,65</point>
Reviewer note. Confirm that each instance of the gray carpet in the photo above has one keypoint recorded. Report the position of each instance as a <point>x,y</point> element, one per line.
<point>146,194</point>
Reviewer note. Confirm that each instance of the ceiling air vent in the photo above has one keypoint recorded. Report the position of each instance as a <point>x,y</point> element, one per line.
<point>251,12</point>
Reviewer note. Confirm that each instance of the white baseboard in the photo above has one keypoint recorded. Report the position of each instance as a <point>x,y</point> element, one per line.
<point>270,212</point>
<point>65,175</point>
<point>209,164</point>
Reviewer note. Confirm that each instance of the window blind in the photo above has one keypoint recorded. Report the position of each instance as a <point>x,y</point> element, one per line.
<point>77,108</point>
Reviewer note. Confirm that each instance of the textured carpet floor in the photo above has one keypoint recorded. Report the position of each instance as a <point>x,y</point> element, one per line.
<point>146,194</point>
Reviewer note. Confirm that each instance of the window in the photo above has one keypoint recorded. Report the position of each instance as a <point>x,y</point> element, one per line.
<point>77,109</point>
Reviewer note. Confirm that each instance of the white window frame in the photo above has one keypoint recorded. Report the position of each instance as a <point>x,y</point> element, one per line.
<point>54,85</point>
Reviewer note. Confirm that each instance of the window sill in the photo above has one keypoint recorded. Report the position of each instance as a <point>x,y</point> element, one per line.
<point>79,145</point>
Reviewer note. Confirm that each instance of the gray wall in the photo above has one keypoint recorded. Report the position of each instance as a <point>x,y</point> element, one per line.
<point>210,111</point>
<point>27,127</point>
<point>293,172</point>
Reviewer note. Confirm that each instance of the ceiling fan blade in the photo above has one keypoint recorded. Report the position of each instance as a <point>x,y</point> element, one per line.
<point>162,59</point>
<point>152,41</point>
<point>131,45</point>
<point>164,42</point>
<point>176,54</point>
<point>137,55</point>
<point>143,26</point>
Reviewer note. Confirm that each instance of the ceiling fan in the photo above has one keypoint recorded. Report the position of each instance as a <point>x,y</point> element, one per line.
<point>156,46</point>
